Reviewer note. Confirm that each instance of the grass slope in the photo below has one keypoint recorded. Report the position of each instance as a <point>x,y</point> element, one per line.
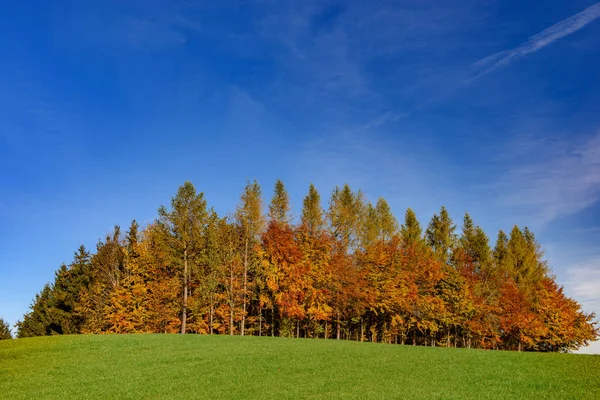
<point>205,367</point>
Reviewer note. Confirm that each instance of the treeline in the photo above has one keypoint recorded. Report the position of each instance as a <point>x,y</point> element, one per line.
<point>347,272</point>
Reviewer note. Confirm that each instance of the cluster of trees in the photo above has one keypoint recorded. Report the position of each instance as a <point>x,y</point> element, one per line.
<point>347,272</point>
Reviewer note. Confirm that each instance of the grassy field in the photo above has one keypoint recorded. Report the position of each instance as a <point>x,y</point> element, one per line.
<point>204,367</point>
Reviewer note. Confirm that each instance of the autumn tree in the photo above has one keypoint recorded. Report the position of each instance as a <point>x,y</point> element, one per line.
<point>440,234</point>
<point>410,231</point>
<point>315,246</point>
<point>350,269</point>
<point>250,219</point>
<point>312,211</point>
<point>379,224</point>
<point>234,273</point>
<point>185,223</point>
<point>346,217</point>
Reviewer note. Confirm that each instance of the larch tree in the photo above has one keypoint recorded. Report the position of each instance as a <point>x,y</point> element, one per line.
<point>500,254</point>
<point>315,244</point>
<point>211,269</point>
<point>411,231</point>
<point>475,243</point>
<point>250,219</point>
<point>440,234</point>
<point>388,225</point>
<point>346,211</point>
<point>279,258</point>
<point>312,211</point>
<point>346,270</point>
<point>346,218</point>
<point>378,223</point>
<point>279,208</point>
<point>185,223</point>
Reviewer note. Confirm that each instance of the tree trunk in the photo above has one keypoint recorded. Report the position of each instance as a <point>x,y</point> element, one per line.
<point>338,326</point>
<point>273,322</point>
<point>326,326</point>
<point>185,291</point>
<point>259,320</point>
<point>298,328</point>
<point>231,302</point>
<point>245,283</point>
<point>212,313</point>
<point>362,331</point>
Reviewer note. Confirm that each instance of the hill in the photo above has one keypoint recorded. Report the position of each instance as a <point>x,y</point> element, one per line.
<point>215,367</point>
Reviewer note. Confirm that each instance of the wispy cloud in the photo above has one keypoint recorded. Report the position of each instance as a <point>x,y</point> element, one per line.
<point>582,283</point>
<point>538,41</point>
<point>559,182</point>
<point>146,26</point>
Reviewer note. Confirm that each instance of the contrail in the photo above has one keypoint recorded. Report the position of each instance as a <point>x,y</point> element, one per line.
<point>539,41</point>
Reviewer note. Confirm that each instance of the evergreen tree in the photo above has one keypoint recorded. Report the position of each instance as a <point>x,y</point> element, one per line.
<point>39,321</point>
<point>54,310</point>
<point>5,332</point>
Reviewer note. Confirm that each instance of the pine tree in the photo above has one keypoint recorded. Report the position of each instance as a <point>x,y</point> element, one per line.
<point>5,332</point>
<point>39,321</point>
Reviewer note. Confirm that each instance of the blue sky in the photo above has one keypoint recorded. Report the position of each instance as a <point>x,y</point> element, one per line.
<point>487,106</point>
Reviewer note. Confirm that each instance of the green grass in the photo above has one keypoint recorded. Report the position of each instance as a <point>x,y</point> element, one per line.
<point>217,367</point>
